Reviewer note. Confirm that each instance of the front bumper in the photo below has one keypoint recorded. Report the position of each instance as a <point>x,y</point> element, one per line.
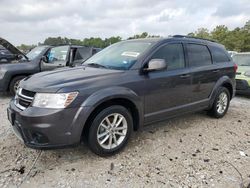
<point>47,128</point>
<point>242,87</point>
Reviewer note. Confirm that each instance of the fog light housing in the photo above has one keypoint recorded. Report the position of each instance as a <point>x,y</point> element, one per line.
<point>39,138</point>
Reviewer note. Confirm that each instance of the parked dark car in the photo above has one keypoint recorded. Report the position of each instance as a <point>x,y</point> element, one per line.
<point>6,56</point>
<point>41,58</point>
<point>122,88</point>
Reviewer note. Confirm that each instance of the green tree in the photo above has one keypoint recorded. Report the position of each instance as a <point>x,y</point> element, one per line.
<point>26,48</point>
<point>220,33</point>
<point>55,41</point>
<point>202,33</point>
<point>138,36</point>
<point>237,39</point>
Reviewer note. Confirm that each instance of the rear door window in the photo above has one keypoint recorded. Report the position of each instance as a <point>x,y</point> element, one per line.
<point>219,55</point>
<point>198,55</point>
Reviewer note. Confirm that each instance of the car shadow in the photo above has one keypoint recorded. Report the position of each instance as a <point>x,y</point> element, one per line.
<point>5,95</point>
<point>243,96</point>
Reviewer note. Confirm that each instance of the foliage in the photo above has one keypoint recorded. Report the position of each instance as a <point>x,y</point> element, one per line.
<point>237,39</point>
<point>96,42</point>
<point>143,35</point>
<point>25,48</point>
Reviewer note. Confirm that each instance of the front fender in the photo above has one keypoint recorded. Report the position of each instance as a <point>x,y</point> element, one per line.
<point>112,93</point>
<point>115,92</point>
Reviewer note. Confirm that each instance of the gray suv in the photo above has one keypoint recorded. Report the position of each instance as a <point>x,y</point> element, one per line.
<point>124,87</point>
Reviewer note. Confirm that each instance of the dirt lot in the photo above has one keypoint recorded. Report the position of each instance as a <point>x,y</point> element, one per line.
<point>190,151</point>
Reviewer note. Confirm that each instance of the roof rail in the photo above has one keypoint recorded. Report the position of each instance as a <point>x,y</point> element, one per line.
<point>190,37</point>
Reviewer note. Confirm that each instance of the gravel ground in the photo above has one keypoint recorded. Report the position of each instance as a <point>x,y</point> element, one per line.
<point>190,151</point>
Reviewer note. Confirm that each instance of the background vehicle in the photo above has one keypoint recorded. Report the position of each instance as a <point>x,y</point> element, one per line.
<point>6,56</point>
<point>41,58</point>
<point>120,89</point>
<point>232,53</point>
<point>243,73</point>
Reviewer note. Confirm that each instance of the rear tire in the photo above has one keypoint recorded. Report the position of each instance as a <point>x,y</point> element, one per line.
<point>14,84</point>
<point>221,103</point>
<point>110,130</point>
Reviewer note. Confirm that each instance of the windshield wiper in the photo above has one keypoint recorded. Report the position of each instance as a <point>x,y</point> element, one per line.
<point>96,65</point>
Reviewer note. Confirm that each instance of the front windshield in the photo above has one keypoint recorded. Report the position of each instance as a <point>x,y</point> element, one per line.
<point>242,59</point>
<point>121,56</point>
<point>35,52</point>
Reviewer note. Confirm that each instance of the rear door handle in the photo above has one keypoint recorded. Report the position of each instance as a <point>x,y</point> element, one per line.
<point>185,76</point>
<point>216,70</point>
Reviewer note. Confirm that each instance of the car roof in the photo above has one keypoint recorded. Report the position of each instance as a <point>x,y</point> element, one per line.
<point>180,38</point>
<point>76,46</point>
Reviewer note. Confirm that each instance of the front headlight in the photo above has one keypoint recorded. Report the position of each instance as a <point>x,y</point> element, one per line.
<point>53,100</point>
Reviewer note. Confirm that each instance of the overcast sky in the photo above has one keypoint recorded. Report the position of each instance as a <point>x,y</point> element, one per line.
<point>31,21</point>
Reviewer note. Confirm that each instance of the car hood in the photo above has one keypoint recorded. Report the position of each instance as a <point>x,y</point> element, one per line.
<point>11,48</point>
<point>71,78</point>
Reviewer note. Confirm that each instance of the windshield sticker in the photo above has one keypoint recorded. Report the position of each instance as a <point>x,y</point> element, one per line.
<point>124,62</point>
<point>130,54</point>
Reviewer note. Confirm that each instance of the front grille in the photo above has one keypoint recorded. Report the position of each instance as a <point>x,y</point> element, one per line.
<point>28,93</point>
<point>24,98</point>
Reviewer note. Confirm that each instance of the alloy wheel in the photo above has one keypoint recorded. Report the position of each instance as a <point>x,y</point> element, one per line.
<point>112,131</point>
<point>16,85</point>
<point>222,103</point>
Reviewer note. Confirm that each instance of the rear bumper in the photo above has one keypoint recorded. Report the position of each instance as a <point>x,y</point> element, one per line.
<point>47,128</point>
<point>242,87</point>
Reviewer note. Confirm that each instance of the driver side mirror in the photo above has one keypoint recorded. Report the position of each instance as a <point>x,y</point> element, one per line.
<point>156,65</point>
<point>19,57</point>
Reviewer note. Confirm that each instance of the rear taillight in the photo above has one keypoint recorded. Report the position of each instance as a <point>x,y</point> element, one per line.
<point>235,67</point>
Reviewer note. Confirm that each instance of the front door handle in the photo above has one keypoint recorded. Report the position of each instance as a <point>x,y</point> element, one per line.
<point>216,70</point>
<point>185,76</point>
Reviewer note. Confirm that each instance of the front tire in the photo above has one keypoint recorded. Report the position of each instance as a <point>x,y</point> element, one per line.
<point>14,84</point>
<point>221,103</point>
<point>110,130</point>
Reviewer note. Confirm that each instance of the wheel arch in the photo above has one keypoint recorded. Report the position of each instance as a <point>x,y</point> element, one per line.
<point>226,82</point>
<point>115,96</point>
<point>14,76</point>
